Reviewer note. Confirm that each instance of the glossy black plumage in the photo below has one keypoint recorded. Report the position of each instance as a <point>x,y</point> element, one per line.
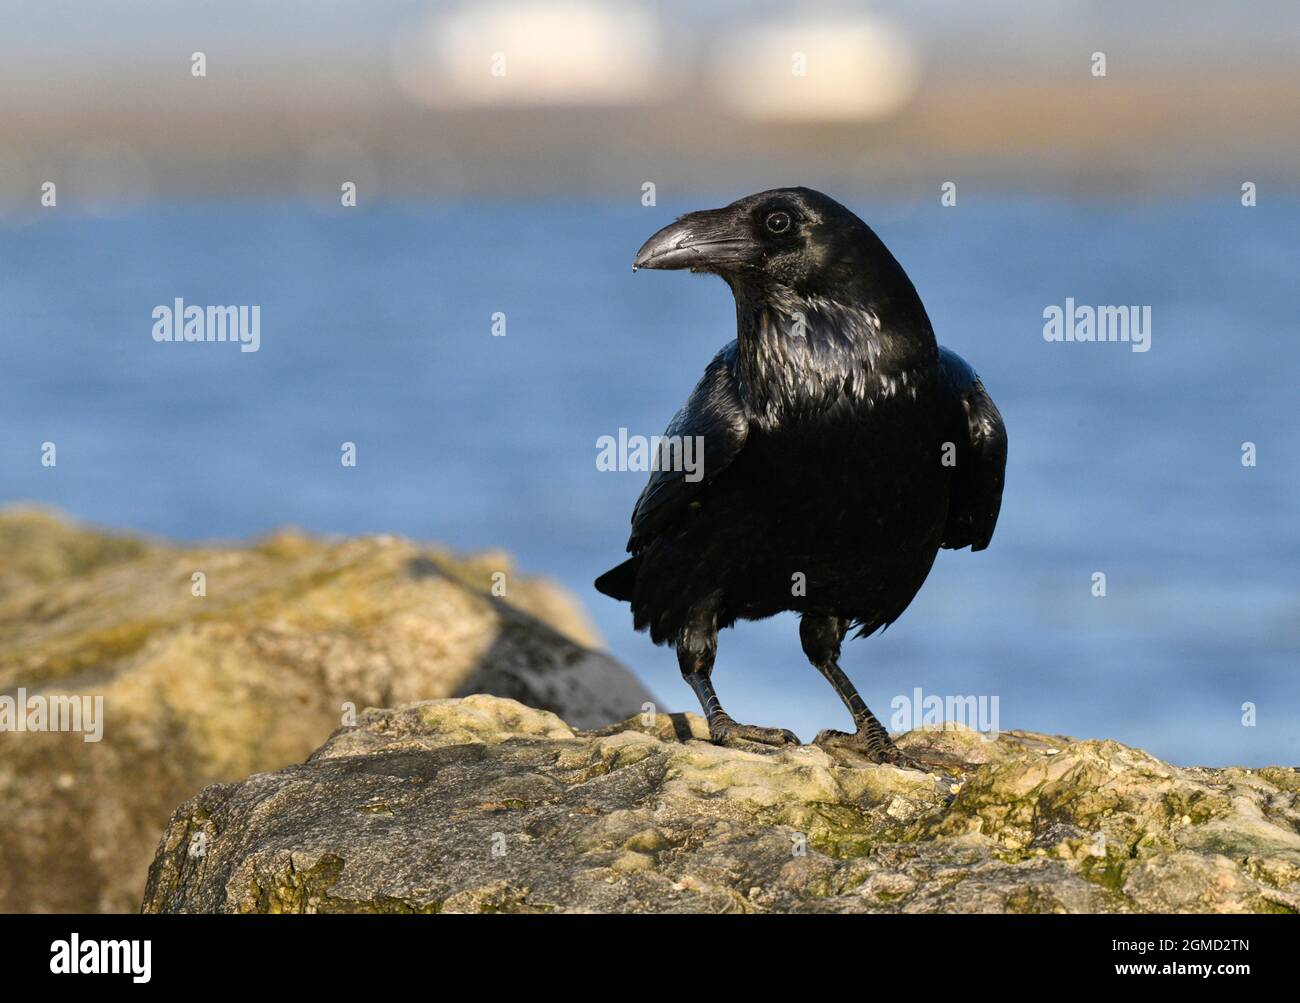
<point>842,446</point>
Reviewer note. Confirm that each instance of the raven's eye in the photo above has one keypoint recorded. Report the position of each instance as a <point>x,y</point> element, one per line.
<point>778,222</point>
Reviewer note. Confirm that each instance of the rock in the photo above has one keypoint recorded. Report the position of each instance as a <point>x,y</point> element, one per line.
<point>38,547</point>
<point>485,805</point>
<point>292,633</point>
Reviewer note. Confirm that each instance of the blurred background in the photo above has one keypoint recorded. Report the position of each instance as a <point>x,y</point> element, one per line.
<point>501,153</point>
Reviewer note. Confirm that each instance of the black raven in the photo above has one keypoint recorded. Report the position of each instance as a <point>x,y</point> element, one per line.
<point>842,447</point>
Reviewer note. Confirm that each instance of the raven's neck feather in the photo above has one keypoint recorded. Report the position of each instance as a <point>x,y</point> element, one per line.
<point>800,355</point>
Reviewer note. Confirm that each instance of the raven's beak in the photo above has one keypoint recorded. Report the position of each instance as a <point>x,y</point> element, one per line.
<point>701,241</point>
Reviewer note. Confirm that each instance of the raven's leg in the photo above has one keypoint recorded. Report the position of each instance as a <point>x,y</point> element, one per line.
<point>821,637</point>
<point>697,645</point>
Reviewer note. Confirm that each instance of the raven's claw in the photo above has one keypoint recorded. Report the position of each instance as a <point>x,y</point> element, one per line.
<point>724,731</point>
<point>871,744</point>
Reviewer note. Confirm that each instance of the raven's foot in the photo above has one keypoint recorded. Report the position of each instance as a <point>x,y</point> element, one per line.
<point>724,731</point>
<point>870,743</point>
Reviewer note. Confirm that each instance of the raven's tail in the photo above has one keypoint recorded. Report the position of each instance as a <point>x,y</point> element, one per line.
<point>620,582</point>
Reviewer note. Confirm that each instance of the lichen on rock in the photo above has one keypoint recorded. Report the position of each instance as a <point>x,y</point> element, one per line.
<point>482,804</point>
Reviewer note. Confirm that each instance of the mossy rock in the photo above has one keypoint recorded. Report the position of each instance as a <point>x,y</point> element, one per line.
<point>292,636</point>
<point>492,806</point>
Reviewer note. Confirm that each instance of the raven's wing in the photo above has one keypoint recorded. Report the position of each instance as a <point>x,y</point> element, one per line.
<point>975,495</point>
<point>716,415</point>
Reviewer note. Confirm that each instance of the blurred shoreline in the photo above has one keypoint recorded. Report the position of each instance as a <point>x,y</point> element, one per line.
<point>602,97</point>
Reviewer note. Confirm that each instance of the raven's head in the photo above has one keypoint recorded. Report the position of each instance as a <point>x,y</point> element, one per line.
<point>788,238</point>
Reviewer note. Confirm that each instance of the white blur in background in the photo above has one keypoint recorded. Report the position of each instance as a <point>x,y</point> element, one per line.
<point>856,69</point>
<point>523,54</point>
<point>581,53</point>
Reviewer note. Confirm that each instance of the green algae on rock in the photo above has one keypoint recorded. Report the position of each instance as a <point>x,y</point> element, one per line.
<point>483,804</point>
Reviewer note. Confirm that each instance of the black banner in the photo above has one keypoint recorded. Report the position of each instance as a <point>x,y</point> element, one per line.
<point>830,952</point>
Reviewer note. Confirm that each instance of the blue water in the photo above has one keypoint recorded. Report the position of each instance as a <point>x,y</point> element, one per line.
<point>376,329</point>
